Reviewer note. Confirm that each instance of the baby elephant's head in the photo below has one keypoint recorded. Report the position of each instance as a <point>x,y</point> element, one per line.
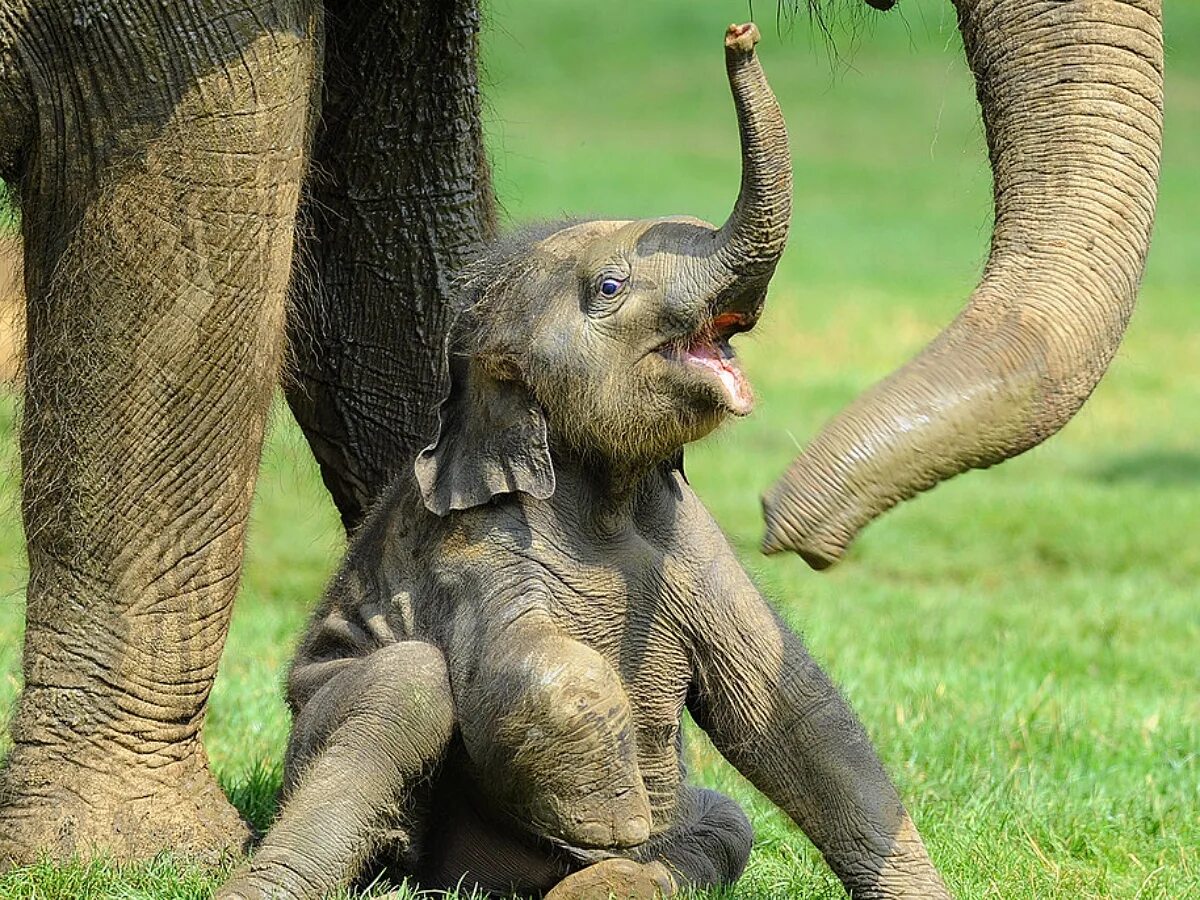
<point>610,339</point>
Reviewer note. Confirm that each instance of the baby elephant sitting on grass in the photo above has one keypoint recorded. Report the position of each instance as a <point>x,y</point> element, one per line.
<point>490,694</point>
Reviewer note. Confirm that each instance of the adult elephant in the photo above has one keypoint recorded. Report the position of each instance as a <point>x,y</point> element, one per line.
<point>160,150</point>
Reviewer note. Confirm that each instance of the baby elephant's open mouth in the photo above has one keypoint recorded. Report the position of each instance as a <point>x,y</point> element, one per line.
<point>708,350</point>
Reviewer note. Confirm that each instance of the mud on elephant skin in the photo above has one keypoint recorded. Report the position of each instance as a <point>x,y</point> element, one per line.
<point>156,277</point>
<point>491,692</point>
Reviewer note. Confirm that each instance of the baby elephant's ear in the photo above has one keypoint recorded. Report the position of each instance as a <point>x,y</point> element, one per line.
<point>491,440</point>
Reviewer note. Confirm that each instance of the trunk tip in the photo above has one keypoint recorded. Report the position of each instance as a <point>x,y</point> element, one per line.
<point>742,38</point>
<point>820,548</point>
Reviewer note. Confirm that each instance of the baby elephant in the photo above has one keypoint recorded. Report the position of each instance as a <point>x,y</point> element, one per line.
<point>490,694</point>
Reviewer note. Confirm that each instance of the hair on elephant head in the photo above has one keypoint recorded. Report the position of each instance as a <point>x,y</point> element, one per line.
<point>610,338</point>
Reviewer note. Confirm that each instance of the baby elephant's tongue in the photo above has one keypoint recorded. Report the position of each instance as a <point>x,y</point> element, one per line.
<point>737,389</point>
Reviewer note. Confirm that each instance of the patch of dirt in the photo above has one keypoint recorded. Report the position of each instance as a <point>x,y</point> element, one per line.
<point>12,308</point>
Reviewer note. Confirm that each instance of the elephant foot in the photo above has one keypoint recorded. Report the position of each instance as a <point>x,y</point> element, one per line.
<point>617,879</point>
<point>59,805</point>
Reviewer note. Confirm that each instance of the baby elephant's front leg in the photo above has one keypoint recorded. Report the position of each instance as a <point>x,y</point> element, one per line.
<point>372,732</point>
<point>547,722</point>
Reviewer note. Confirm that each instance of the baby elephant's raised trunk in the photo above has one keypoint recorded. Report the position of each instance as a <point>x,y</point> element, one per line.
<point>749,244</point>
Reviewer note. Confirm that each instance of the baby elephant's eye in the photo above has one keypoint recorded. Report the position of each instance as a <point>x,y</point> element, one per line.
<point>610,286</point>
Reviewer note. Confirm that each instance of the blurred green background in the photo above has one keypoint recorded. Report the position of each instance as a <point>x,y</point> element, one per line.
<point>1023,644</point>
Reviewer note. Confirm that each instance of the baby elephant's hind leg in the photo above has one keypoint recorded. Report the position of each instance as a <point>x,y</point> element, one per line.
<point>709,844</point>
<point>359,747</point>
<point>707,847</point>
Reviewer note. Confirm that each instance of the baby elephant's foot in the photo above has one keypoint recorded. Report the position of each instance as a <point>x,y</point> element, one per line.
<point>616,879</point>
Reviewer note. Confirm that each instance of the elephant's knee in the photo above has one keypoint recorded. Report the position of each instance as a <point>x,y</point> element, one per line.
<point>400,692</point>
<point>550,726</point>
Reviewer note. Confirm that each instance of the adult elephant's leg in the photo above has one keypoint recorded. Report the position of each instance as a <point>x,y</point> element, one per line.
<point>400,194</point>
<point>159,206</point>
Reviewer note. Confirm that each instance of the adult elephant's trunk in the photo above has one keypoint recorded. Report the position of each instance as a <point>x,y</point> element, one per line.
<point>1071,92</point>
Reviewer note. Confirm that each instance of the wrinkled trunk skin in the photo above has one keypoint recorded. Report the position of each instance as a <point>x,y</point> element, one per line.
<point>400,195</point>
<point>1071,94</point>
<point>159,193</point>
<point>732,266</point>
<point>751,242</point>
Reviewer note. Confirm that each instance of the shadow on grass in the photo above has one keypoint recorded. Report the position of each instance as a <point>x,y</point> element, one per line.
<point>255,793</point>
<point>1161,468</point>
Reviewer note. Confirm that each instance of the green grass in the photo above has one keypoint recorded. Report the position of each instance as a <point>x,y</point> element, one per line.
<point>1022,643</point>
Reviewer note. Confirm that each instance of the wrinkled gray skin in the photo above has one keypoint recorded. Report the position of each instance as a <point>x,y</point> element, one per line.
<point>191,175</point>
<point>1072,96</point>
<point>491,692</point>
<point>159,149</point>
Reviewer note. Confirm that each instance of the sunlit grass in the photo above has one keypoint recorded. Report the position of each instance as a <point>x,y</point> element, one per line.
<point>1022,643</point>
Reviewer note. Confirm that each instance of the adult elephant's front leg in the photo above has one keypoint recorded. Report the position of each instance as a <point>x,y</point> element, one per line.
<point>159,205</point>
<point>400,194</point>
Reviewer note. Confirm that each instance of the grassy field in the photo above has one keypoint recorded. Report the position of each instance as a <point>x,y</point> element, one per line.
<point>1023,643</point>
